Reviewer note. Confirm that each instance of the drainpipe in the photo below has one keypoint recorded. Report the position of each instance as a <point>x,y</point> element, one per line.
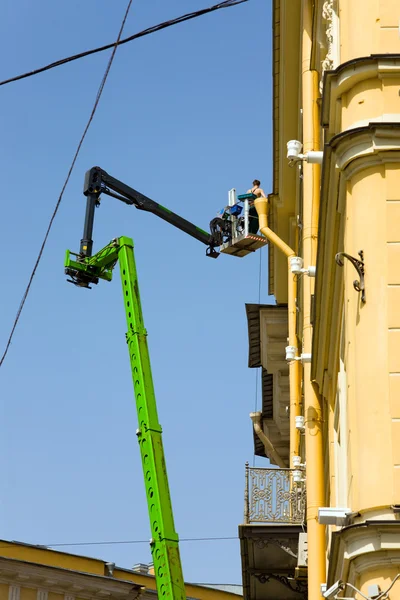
<point>312,400</point>
<point>261,205</point>
<point>269,448</point>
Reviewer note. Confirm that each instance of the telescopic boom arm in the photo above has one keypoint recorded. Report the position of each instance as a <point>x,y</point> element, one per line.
<point>84,269</point>
<point>99,182</point>
<point>164,541</point>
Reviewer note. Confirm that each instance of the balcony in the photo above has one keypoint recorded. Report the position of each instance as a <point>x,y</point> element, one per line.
<point>274,514</point>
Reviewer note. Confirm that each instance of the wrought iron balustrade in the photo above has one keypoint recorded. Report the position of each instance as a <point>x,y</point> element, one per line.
<point>271,496</point>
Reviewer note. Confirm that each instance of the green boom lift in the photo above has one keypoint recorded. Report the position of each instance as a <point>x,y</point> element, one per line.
<point>230,235</point>
<point>85,269</point>
<point>164,539</point>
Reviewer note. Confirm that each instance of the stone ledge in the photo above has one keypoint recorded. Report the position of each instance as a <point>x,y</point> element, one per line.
<point>348,75</point>
<point>361,548</point>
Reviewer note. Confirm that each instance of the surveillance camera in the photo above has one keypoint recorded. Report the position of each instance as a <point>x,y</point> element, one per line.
<point>290,353</point>
<point>294,150</point>
<point>294,154</point>
<point>334,590</point>
<point>296,267</point>
<point>333,515</point>
<point>314,157</point>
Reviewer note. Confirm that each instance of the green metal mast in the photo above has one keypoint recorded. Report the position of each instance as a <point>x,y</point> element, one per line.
<point>164,539</point>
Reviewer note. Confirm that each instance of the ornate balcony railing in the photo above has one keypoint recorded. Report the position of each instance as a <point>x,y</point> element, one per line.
<point>271,496</point>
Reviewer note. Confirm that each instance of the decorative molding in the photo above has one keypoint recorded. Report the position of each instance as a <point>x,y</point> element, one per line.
<point>358,549</point>
<point>328,63</point>
<point>42,595</point>
<point>348,75</point>
<point>356,150</point>
<point>14,592</point>
<point>280,542</point>
<point>298,586</point>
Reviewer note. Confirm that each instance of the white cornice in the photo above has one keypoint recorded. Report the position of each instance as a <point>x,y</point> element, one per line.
<point>345,77</point>
<point>369,143</point>
<point>355,550</point>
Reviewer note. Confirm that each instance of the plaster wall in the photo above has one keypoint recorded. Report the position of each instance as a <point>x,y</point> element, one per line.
<point>368,342</point>
<point>376,99</point>
<point>368,27</point>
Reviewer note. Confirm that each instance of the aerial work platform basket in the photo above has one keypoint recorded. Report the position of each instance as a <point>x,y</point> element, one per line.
<point>242,241</point>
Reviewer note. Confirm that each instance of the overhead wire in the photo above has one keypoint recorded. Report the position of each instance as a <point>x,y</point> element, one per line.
<point>239,585</point>
<point>119,42</point>
<point>353,587</point>
<point>385,593</point>
<point>53,216</point>
<point>118,542</point>
<point>148,31</point>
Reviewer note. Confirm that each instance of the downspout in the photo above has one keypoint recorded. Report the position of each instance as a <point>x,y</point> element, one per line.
<point>269,448</point>
<point>312,400</point>
<point>261,205</point>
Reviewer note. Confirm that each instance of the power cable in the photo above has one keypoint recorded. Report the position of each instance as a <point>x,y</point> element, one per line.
<point>148,31</point>
<point>211,584</point>
<point>119,42</point>
<point>357,591</point>
<point>97,100</point>
<point>200,539</point>
<point>385,593</point>
<point>119,542</point>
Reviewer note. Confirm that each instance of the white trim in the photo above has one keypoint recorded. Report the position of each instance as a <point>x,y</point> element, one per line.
<point>14,592</point>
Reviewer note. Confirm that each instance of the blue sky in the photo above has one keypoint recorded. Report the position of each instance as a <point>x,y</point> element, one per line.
<point>185,116</point>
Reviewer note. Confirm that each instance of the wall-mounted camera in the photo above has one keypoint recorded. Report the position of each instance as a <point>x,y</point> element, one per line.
<point>294,155</point>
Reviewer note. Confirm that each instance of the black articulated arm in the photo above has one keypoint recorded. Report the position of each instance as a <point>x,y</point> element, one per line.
<point>99,182</point>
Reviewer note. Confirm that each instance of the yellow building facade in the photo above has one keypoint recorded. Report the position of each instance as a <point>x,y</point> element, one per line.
<point>29,572</point>
<point>335,204</point>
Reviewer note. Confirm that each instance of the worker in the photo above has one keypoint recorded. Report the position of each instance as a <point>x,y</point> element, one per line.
<point>253,215</point>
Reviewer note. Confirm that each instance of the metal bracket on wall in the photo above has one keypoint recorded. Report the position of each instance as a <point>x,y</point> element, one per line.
<point>299,587</point>
<point>358,264</point>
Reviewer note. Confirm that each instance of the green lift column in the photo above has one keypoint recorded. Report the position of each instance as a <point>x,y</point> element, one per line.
<point>164,542</point>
